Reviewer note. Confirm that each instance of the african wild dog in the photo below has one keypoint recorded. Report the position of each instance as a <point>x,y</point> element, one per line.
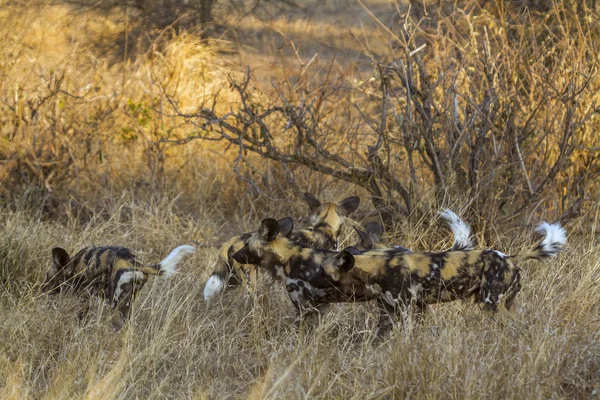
<point>419,279</point>
<point>111,272</point>
<point>269,250</point>
<point>327,221</point>
<point>307,284</point>
<point>370,238</point>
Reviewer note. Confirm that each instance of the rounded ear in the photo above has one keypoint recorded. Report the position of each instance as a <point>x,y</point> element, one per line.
<point>365,240</point>
<point>348,206</point>
<point>312,202</point>
<point>286,226</point>
<point>60,257</point>
<point>269,229</point>
<point>375,231</point>
<point>345,261</point>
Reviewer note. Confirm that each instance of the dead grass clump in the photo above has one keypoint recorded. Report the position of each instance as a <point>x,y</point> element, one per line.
<point>99,146</point>
<point>76,122</point>
<point>240,345</point>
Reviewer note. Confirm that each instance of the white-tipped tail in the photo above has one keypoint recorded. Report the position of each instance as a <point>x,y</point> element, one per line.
<point>213,286</point>
<point>169,264</point>
<point>555,238</point>
<point>553,243</point>
<point>460,229</point>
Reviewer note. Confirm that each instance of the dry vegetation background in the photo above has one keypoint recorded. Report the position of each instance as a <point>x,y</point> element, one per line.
<point>139,127</point>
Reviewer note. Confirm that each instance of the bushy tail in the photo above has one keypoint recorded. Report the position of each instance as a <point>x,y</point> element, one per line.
<point>460,229</point>
<point>168,266</point>
<point>218,279</point>
<point>555,238</point>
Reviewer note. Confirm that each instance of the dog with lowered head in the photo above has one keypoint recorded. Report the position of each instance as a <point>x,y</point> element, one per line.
<point>111,272</point>
<point>327,221</point>
<point>308,286</point>
<point>418,279</point>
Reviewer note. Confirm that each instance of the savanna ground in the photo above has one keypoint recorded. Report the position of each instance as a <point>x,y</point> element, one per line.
<point>119,128</point>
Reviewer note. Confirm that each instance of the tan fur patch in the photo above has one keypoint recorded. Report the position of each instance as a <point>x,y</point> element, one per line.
<point>104,258</point>
<point>306,253</point>
<point>473,256</point>
<point>280,246</point>
<point>418,263</point>
<point>370,265</point>
<point>235,242</point>
<point>81,266</point>
<point>453,262</point>
<point>120,264</point>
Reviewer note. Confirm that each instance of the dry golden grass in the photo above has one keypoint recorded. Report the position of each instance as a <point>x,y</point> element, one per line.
<point>82,163</point>
<point>244,345</point>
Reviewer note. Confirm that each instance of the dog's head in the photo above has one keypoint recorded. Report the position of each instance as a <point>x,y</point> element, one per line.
<point>370,238</point>
<point>61,271</point>
<point>127,282</point>
<point>330,214</point>
<point>338,270</point>
<point>337,267</point>
<point>266,246</point>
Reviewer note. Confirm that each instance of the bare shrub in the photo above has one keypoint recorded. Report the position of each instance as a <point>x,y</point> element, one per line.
<point>497,108</point>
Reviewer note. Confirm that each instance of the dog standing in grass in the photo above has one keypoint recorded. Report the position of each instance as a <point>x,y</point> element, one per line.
<point>327,221</point>
<point>414,280</point>
<point>110,272</point>
<point>309,287</point>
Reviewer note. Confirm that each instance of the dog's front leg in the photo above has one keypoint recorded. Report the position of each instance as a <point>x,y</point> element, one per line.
<point>387,313</point>
<point>84,310</point>
<point>305,313</point>
<point>122,311</point>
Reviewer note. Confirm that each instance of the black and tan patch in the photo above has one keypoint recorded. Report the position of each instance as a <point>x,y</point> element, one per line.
<point>417,279</point>
<point>110,272</point>
<point>307,283</point>
<point>328,219</point>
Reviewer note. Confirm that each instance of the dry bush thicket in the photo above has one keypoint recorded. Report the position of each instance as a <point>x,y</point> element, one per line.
<point>498,109</point>
<point>112,132</point>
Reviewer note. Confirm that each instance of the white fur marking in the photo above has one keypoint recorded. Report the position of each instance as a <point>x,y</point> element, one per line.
<point>501,254</point>
<point>400,247</point>
<point>213,286</point>
<point>314,219</point>
<point>124,279</point>
<point>295,294</point>
<point>555,237</point>
<point>280,272</point>
<point>488,298</point>
<point>415,290</point>
<point>169,264</point>
<point>389,298</point>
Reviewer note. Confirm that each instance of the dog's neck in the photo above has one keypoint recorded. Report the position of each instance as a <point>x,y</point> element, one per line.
<point>284,249</point>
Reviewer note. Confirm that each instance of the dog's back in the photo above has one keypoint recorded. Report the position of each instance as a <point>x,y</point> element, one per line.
<point>99,269</point>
